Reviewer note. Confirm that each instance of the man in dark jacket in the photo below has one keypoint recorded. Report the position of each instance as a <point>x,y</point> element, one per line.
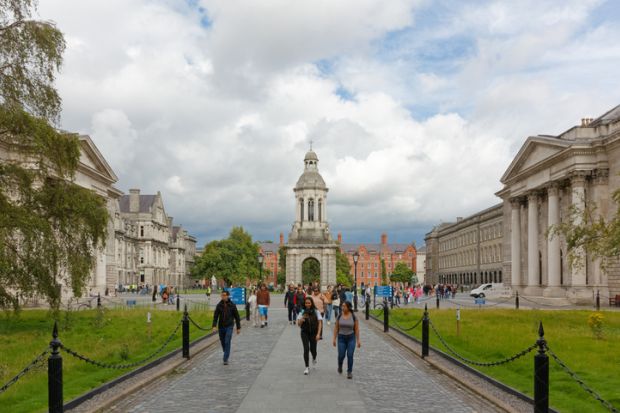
<point>224,320</point>
<point>289,302</point>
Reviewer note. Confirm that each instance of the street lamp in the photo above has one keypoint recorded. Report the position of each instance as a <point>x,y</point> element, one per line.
<point>356,257</point>
<point>261,257</point>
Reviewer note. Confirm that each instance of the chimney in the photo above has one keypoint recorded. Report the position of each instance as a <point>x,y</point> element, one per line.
<point>340,237</point>
<point>281,238</point>
<point>384,239</point>
<point>459,219</point>
<point>585,122</point>
<point>134,200</point>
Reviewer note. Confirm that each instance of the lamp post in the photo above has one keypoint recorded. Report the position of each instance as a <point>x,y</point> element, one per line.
<point>261,257</point>
<point>356,257</point>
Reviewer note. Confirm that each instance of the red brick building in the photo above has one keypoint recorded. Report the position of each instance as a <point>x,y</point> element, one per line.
<point>368,266</point>
<point>369,263</point>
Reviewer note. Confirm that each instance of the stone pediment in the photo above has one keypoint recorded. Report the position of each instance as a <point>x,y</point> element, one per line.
<point>534,151</point>
<point>93,160</point>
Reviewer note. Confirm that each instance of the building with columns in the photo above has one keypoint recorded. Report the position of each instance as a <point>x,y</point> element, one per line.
<point>550,175</point>
<point>310,238</point>
<point>466,252</point>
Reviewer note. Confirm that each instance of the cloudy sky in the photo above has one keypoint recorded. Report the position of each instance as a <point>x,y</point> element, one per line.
<point>415,108</point>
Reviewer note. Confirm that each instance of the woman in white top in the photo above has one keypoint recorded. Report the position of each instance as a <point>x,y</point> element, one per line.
<point>253,308</point>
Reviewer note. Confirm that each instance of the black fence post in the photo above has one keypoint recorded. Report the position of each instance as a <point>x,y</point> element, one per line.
<point>98,300</point>
<point>437,295</point>
<point>517,300</point>
<point>386,317</point>
<point>425,332</point>
<point>598,300</point>
<point>541,374</point>
<point>178,302</point>
<point>185,333</point>
<point>368,309</point>
<point>54,375</point>
<point>247,311</point>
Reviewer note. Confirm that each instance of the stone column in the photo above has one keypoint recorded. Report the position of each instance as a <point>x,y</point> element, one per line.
<point>532,244</point>
<point>578,272</point>
<point>553,245</point>
<point>600,193</point>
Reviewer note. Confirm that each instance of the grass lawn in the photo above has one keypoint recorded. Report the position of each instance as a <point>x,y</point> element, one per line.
<point>488,335</point>
<point>114,336</point>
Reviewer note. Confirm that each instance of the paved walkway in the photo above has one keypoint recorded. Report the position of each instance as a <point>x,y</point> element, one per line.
<point>265,374</point>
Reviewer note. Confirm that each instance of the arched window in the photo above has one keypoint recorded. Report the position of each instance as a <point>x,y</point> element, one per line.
<point>301,202</point>
<point>320,210</point>
<point>311,210</point>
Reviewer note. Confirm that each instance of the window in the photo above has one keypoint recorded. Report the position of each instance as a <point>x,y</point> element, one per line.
<point>301,202</point>
<point>320,210</point>
<point>141,230</point>
<point>311,210</point>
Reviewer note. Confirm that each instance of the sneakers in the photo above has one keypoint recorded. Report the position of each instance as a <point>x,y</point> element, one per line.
<point>314,362</point>
<point>262,325</point>
<point>349,375</point>
<point>226,362</point>
<point>306,371</point>
<point>339,369</point>
<point>266,324</point>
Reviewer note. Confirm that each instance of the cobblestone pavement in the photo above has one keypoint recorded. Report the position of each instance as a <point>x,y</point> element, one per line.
<point>266,375</point>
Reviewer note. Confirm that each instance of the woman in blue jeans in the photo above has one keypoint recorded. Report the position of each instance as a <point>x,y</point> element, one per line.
<point>347,333</point>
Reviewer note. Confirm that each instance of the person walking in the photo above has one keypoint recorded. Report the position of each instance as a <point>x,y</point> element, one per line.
<point>299,298</point>
<point>224,319</point>
<point>263,300</point>
<point>253,308</point>
<point>327,299</point>
<point>289,303</point>
<point>310,321</point>
<point>319,303</point>
<point>347,334</point>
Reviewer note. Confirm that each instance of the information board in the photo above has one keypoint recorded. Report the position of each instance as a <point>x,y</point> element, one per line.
<point>237,295</point>
<point>383,291</point>
<point>480,300</point>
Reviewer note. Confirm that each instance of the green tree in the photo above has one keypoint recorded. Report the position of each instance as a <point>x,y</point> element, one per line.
<point>384,279</point>
<point>233,259</point>
<point>401,273</point>
<point>343,269</point>
<point>310,271</point>
<point>50,227</point>
<point>282,262</point>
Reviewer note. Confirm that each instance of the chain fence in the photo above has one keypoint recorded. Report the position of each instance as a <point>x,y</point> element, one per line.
<point>581,383</point>
<point>479,363</point>
<point>543,304</point>
<point>25,370</point>
<point>410,328</point>
<point>198,326</point>
<point>122,366</point>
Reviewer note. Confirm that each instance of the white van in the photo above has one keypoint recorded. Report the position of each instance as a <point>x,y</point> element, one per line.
<point>490,290</point>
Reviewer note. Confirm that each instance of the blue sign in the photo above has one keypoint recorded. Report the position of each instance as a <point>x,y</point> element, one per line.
<point>237,295</point>
<point>480,301</point>
<point>383,291</point>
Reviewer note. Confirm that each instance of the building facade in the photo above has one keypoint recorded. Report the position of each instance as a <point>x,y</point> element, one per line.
<point>371,255</point>
<point>468,251</point>
<point>421,264</point>
<point>549,176</point>
<point>271,261</point>
<point>310,238</point>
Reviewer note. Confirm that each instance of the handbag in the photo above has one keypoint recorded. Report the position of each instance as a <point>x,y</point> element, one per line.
<point>336,302</point>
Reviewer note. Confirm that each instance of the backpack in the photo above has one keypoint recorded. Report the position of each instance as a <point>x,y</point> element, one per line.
<point>340,315</point>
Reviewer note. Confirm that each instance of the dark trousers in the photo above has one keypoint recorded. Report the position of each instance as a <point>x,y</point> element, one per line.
<point>346,346</point>
<point>309,342</point>
<point>292,313</point>
<point>225,339</point>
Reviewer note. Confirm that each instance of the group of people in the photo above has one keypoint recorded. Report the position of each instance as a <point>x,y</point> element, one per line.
<point>308,308</point>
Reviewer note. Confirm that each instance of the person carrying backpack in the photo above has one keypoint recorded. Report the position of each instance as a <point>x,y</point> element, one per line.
<point>347,333</point>
<point>310,321</point>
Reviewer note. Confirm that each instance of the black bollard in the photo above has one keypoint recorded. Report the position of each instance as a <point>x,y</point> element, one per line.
<point>247,311</point>
<point>98,300</point>
<point>598,300</point>
<point>185,333</point>
<point>437,301</point>
<point>425,332</point>
<point>178,302</point>
<point>368,309</point>
<point>54,375</point>
<point>541,374</point>
<point>517,300</point>
<point>386,318</point>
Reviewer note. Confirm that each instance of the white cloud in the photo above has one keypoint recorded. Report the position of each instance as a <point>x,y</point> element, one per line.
<point>218,118</point>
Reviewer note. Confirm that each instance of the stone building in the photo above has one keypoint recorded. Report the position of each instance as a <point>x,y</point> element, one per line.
<point>370,256</point>
<point>270,251</point>
<point>468,251</point>
<point>421,264</point>
<point>310,238</point>
<point>550,174</point>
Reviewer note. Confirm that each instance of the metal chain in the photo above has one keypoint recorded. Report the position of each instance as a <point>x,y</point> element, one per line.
<point>584,386</point>
<point>197,326</point>
<point>26,369</point>
<point>483,364</point>
<point>410,328</point>
<point>122,366</point>
<point>542,304</point>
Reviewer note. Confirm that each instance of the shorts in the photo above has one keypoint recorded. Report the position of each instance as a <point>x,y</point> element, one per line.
<point>262,310</point>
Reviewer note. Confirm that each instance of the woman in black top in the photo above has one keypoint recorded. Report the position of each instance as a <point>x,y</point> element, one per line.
<point>310,321</point>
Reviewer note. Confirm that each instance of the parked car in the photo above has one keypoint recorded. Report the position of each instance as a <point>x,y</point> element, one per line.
<point>488,290</point>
